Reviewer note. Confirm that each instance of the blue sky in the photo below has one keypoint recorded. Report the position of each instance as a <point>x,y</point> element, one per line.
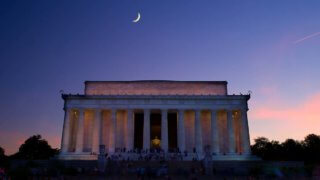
<point>48,46</point>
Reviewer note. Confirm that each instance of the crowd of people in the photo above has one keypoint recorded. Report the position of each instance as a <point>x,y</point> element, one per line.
<point>151,155</point>
<point>154,165</point>
<point>125,162</point>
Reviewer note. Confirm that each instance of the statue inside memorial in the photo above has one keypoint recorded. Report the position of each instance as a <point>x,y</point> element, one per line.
<point>155,142</point>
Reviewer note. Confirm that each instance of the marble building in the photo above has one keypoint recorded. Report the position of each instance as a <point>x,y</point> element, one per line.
<point>195,117</point>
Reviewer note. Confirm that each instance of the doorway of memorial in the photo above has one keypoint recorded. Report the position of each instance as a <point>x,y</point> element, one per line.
<point>172,131</point>
<point>138,131</point>
<point>155,130</point>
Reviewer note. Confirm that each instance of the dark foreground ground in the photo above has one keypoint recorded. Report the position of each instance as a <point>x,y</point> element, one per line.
<point>54,169</point>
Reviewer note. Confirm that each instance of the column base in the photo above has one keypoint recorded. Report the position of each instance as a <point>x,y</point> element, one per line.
<point>232,153</point>
<point>111,150</point>
<point>246,154</point>
<point>235,157</point>
<point>77,156</point>
<point>189,157</point>
<point>215,153</point>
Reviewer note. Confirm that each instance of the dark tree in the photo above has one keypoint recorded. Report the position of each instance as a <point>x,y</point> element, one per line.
<point>274,151</point>
<point>312,148</point>
<point>3,159</point>
<point>292,150</point>
<point>35,148</point>
<point>1,152</point>
<point>259,147</point>
<point>267,150</point>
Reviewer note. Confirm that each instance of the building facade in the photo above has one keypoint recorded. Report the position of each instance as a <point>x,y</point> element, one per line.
<point>192,117</point>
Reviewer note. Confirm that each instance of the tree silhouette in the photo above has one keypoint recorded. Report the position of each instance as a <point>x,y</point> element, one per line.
<point>1,152</point>
<point>312,148</point>
<point>290,150</point>
<point>267,150</point>
<point>3,158</point>
<point>260,147</point>
<point>35,148</point>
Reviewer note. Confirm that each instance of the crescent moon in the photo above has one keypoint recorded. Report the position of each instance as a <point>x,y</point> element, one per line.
<point>137,19</point>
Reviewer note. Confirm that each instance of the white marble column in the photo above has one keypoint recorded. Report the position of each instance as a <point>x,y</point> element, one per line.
<point>181,131</point>
<point>232,146</point>
<point>214,133</point>
<point>65,131</point>
<point>113,131</point>
<point>97,131</point>
<point>130,130</point>
<point>164,129</point>
<point>198,131</point>
<point>79,145</point>
<point>245,137</point>
<point>146,129</point>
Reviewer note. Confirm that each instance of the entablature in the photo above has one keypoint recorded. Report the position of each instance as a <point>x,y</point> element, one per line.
<point>156,102</point>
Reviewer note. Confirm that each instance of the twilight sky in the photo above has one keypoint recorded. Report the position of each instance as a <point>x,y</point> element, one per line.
<point>270,47</point>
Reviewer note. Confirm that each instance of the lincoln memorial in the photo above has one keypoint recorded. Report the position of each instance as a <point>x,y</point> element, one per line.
<point>193,118</point>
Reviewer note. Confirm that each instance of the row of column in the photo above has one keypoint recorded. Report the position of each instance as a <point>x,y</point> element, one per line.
<point>215,149</point>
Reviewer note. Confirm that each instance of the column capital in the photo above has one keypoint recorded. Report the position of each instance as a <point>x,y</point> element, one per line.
<point>197,112</point>
<point>214,110</point>
<point>164,110</point>
<point>80,109</point>
<point>114,115</point>
<point>229,110</point>
<point>244,109</point>
<point>98,109</point>
<point>67,109</point>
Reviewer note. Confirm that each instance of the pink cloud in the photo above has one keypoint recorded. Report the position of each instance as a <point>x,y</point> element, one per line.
<point>283,120</point>
<point>12,140</point>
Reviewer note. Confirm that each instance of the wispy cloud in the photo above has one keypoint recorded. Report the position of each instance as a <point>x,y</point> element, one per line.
<point>306,37</point>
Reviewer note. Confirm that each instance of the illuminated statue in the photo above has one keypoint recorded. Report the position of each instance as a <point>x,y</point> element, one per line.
<point>156,142</point>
